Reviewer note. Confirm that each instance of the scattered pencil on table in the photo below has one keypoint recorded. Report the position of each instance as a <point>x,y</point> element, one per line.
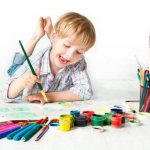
<point>132,101</point>
<point>33,72</point>
<point>43,131</point>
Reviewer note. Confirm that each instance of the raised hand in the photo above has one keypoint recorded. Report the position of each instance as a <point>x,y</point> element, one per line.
<point>39,32</point>
<point>48,26</point>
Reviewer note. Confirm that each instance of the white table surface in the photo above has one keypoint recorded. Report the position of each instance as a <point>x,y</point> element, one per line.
<point>80,138</point>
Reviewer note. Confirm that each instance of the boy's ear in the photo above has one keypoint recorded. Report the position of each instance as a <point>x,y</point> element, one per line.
<point>53,36</point>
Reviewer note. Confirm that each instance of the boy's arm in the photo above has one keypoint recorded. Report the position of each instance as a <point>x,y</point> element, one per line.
<point>30,46</point>
<point>38,34</point>
<point>27,80</point>
<point>24,69</point>
<point>19,59</point>
<point>65,96</point>
<point>15,88</point>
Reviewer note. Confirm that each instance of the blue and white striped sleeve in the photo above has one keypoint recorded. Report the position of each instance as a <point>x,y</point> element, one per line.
<point>81,81</point>
<point>4,91</point>
<point>18,60</point>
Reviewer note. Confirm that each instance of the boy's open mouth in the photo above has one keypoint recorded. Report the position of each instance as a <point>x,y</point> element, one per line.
<point>63,60</point>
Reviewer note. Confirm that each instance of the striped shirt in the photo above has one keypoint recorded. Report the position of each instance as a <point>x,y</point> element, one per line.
<point>73,78</point>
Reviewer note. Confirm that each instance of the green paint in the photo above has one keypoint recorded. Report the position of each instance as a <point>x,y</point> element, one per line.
<point>4,110</point>
<point>61,102</point>
<point>21,109</point>
<point>53,110</point>
<point>21,115</point>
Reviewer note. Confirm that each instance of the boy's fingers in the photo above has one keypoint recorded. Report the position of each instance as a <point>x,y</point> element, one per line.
<point>37,71</point>
<point>41,22</point>
<point>48,26</point>
<point>25,98</point>
<point>33,80</point>
<point>38,80</point>
<point>42,102</point>
<point>35,97</point>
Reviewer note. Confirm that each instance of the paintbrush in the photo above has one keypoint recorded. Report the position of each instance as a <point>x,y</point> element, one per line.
<point>33,72</point>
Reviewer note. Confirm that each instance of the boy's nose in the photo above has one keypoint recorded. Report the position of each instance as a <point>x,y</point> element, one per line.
<point>70,54</point>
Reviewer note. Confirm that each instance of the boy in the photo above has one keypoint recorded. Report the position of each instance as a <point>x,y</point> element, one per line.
<point>61,68</point>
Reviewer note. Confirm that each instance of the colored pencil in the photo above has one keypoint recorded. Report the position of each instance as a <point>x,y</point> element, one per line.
<point>143,93</point>
<point>5,128</point>
<point>11,135</point>
<point>132,101</point>
<point>33,72</point>
<point>19,135</point>
<point>6,124</point>
<point>43,131</point>
<point>30,133</point>
<point>44,120</point>
<point>8,132</point>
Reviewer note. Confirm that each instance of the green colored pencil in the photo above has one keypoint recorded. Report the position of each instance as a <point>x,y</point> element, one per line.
<point>30,133</point>
<point>33,72</point>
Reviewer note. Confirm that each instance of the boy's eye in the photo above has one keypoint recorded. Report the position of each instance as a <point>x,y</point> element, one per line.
<point>68,46</point>
<point>79,53</point>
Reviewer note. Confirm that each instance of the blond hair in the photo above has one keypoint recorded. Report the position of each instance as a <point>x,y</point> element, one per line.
<point>78,26</point>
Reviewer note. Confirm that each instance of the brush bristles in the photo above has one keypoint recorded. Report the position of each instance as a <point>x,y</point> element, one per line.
<point>44,95</point>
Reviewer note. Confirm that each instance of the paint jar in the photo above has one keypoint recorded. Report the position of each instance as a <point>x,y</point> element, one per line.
<point>75,112</point>
<point>97,120</point>
<point>108,118</point>
<point>116,120</point>
<point>116,111</point>
<point>66,122</point>
<point>81,121</point>
<point>88,114</point>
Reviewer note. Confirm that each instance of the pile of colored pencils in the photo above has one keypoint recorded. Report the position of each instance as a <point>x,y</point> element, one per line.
<point>23,129</point>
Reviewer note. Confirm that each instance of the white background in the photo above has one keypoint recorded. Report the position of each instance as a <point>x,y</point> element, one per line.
<point>122,28</point>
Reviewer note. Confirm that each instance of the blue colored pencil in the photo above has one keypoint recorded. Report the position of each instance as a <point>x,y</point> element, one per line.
<point>19,135</point>
<point>2,135</point>
<point>11,135</point>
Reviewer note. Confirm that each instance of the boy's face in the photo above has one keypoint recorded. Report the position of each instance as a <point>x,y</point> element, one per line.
<point>65,52</point>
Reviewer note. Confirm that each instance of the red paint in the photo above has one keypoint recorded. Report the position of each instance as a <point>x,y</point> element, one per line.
<point>116,120</point>
<point>88,114</point>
